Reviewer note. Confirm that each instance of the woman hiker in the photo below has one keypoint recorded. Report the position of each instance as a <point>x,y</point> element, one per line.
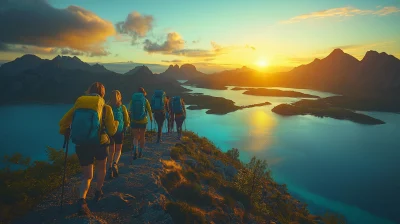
<point>90,143</point>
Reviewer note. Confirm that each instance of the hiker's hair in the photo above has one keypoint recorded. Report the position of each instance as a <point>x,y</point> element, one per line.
<point>115,98</point>
<point>97,88</point>
<point>141,90</point>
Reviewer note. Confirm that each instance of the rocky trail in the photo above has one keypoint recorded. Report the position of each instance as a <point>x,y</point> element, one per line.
<point>136,196</point>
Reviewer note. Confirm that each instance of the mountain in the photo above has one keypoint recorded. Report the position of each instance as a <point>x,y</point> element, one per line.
<point>72,63</point>
<point>185,72</point>
<point>21,64</point>
<point>339,72</point>
<point>63,79</point>
<point>140,70</point>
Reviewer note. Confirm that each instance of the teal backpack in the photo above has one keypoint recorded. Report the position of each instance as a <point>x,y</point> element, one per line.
<point>158,101</point>
<point>85,127</point>
<point>119,116</point>
<point>138,106</point>
<point>177,107</point>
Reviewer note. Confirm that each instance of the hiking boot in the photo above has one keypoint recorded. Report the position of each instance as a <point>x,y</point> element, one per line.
<point>135,156</point>
<point>98,195</point>
<point>140,154</point>
<point>83,208</point>
<point>115,169</point>
<point>110,173</point>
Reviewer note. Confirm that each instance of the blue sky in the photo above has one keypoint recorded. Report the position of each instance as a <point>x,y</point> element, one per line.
<point>224,33</point>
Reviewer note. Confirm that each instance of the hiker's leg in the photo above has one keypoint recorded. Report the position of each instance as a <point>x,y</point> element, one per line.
<point>101,161</point>
<point>142,139</point>
<point>111,154</point>
<point>135,134</point>
<point>87,172</point>
<point>118,149</point>
<point>119,139</point>
<point>86,157</point>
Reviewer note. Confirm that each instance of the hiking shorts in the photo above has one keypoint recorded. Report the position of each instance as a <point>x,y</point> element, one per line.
<point>117,139</point>
<point>138,126</point>
<point>86,154</point>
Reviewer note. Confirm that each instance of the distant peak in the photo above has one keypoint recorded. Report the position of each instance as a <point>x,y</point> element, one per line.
<point>337,51</point>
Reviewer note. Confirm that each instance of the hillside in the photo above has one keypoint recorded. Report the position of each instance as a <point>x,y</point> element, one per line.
<point>179,182</point>
<point>185,72</point>
<point>63,79</point>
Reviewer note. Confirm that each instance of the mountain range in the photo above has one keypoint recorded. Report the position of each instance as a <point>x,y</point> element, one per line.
<point>339,72</point>
<point>63,79</point>
<point>185,72</point>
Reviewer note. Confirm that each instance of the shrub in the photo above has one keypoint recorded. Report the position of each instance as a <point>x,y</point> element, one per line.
<point>233,153</point>
<point>21,189</point>
<point>170,179</point>
<point>192,194</point>
<point>182,213</point>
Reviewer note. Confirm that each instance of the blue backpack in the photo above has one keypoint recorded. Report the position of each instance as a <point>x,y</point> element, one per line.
<point>85,126</point>
<point>138,106</point>
<point>119,116</point>
<point>177,107</point>
<point>158,100</point>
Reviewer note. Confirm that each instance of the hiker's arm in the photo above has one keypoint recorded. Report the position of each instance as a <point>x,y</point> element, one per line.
<point>129,106</point>
<point>66,121</point>
<point>126,116</point>
<point>110,124</point>
<point>148,108</point>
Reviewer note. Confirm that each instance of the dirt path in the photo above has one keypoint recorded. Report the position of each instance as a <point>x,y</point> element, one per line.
<point>136,196</point>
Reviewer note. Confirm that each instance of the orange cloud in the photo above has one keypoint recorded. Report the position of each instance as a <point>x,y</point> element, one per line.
<point>135,25</point>
<point>47,27</point>
<point>342,12</point>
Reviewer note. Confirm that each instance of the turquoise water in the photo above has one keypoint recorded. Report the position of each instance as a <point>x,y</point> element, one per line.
<point>332,165</point>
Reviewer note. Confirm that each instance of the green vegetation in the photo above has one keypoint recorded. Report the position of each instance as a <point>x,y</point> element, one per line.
<point>21,189</point>
<point>27,183</point>
<point>320,108</point>
<point>276,93</point>
<point>203,191</point>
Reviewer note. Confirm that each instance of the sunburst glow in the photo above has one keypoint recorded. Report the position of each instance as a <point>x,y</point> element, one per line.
<point>262,63</point>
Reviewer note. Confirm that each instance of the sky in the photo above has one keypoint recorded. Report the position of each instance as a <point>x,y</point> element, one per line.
<point>213,35</point>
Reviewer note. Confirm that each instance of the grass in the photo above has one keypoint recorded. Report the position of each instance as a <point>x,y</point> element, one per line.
<point>21,189</point>
<point>183,213</point>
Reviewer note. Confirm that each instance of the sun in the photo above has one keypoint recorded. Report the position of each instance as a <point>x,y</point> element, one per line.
<point>262,63</point>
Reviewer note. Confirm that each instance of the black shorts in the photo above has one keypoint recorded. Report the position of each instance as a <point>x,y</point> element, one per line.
<point>117,138</point>
<point>86,154</point>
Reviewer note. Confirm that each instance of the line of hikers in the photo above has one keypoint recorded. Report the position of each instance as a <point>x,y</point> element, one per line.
<point>97,129</point>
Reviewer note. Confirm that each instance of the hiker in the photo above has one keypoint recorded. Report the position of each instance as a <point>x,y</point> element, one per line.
<point>139,108</point>
<point>91,143</point>
<point>168,115</point>
<point>121,115</point>
<point>171,115</point>
<point>159,107</point>
<point>179,111</point>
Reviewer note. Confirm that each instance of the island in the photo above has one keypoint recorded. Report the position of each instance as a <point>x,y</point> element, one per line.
<point>215,105</point>
<point>276,93</point>
<point>323,109</point>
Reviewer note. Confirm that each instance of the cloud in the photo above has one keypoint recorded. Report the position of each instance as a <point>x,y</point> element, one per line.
<point>36,23</point>
<point>251,47</point>
<point>342,12</point>
<point>135,25</point>
<point>173,43</point>
<point>195,41</point>
<point>173,61</point>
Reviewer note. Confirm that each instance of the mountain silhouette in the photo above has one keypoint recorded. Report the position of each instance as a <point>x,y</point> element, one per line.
<point>21,64</point>
<point>185,72</point>
<point>63,79</point>
<point>339,72</point>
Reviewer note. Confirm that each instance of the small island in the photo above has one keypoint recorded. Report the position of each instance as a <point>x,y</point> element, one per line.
<point>215,105</point>
<point>276,93</point>
<point>322,109</point>
<point>239,88</point>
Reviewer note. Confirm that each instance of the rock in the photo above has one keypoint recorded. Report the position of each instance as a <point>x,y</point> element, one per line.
<point>239,205</point>
<point>166,157</point>
<point>230,172</point>
<point>221,171</point>
<point>218,163</point>
<point>166,153</point>
<point>191,162</point>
